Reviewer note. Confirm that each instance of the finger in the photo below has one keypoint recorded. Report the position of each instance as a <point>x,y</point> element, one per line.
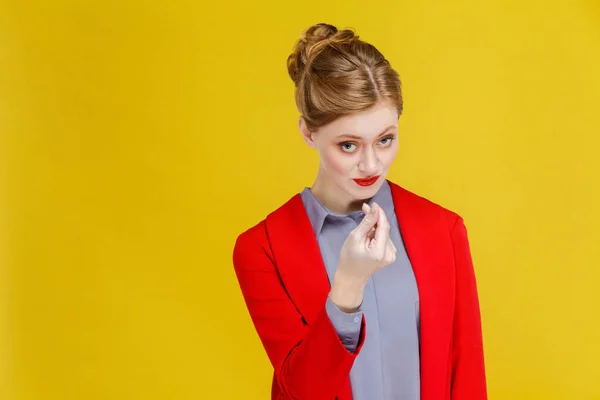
<point>366,208</point>
<point>368,222</point>
<point>392,245</point>
<point>371,233</point>
<point>390,253</point>
<point>372,230</point>
<point>383,227</point>
<point>382,238</point>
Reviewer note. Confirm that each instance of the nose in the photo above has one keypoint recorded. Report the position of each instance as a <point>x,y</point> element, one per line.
<point>369,162</point>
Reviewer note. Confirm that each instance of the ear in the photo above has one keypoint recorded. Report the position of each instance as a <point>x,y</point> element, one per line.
<point>307,134</point>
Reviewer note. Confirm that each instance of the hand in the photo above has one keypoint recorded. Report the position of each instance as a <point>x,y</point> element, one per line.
<point>366,209</point>
<point>367,249</point>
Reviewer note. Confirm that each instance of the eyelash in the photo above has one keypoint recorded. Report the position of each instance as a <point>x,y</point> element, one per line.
<point>390,137</point>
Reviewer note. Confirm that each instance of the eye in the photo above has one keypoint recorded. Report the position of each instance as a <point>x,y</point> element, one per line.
<point>348,147</point>
<point>387,141</point>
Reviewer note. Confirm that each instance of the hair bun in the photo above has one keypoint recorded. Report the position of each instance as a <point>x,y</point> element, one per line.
<point>311,43</point>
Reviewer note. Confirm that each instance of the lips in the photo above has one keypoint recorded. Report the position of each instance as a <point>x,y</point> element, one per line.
<point>366,181</point>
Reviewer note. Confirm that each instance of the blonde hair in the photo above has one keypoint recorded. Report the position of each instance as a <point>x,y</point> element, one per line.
<point>336,73</point>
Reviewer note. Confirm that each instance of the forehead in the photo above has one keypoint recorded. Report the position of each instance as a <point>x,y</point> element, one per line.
<point>367,124</point>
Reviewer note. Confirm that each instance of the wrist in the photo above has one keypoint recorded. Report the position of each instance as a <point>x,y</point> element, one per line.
<point>347,292</point>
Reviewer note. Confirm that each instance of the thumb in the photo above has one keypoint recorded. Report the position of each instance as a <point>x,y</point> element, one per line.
<point>368,221</point>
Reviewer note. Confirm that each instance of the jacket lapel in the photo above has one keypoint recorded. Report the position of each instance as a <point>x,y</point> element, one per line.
<point>425,235</point>
<point>298,258</point>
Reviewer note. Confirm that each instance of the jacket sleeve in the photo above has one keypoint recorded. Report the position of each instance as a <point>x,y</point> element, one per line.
<point>310,362</point>
<point>468,369</point>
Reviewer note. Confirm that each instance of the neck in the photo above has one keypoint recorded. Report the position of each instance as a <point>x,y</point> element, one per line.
<point>332,197</point>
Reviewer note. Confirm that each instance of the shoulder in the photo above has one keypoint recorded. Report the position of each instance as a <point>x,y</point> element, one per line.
<point>422,207</point>
<point>256,235</point>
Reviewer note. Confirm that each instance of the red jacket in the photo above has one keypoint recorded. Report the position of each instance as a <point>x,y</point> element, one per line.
<point>285,286</point>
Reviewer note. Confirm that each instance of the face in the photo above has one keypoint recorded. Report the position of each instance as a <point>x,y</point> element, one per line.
<point>356,152</point>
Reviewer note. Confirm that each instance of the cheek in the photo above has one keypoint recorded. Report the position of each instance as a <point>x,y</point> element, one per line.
<point>387,157</point>
<point>336,162</point>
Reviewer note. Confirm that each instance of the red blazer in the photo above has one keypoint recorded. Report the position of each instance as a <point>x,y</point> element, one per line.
<point>285,286</point>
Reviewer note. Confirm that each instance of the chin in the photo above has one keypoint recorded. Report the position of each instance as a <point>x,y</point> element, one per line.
<point>366,192</point>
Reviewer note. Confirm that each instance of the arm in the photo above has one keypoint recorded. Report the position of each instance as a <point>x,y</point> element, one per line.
<point>310,362</point>
<point>347,325</point>
<point>468,369</point>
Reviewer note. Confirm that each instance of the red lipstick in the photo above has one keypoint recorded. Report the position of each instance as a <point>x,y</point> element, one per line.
<point>367,181</point>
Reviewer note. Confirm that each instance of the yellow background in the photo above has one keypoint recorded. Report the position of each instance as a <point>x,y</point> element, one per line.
<point>138,138</point>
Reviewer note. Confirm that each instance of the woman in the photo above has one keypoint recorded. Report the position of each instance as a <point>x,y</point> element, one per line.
<point>358,288</point>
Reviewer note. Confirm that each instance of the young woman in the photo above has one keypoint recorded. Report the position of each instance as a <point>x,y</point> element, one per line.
<point>358,288</point>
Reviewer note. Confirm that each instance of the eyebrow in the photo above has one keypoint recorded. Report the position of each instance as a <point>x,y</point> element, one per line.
<point>346,135</point>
